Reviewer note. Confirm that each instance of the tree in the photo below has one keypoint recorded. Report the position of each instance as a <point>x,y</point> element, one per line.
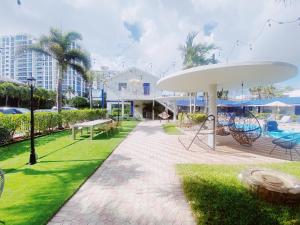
<point>70,91</point>
<point>58,45</point>
<point>269,91</point>
<point>196,54</point>
<point>91,76</point>
<point>9,90</point>
<point>223,94</point>
<point>40,94</point>
<point>79,102</point>
<point>23,94</point>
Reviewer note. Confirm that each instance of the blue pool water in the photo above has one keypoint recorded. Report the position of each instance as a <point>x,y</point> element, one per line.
<point>275,134</point>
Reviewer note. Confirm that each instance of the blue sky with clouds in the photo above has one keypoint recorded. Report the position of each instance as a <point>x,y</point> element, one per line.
<point>147,34</point>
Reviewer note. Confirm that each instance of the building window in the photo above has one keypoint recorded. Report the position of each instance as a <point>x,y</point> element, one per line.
<point>146,88</point>
<point>122,86</point>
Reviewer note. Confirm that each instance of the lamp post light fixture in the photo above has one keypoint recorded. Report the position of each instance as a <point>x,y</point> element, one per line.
<point>32,159</point>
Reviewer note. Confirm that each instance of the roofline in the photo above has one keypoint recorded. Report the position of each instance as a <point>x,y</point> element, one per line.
<point>134,68</point>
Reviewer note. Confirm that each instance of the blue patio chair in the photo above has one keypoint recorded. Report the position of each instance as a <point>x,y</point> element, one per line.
<point>272,126</point>
<point>287,142</point>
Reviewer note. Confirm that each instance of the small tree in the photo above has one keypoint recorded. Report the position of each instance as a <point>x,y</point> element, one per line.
<point>79,102</point>
<point>9,90</point>
<point>91,76</point>
<point>23,94</point>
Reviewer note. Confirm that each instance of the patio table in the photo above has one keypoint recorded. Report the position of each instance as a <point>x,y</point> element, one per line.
<point>90,125</point>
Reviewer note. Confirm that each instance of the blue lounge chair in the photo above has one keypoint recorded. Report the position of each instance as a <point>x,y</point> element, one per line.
<point>272,126</point>
<point>289,141</point>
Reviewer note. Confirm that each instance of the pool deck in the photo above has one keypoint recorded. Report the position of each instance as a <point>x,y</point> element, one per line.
<point>138,183</point>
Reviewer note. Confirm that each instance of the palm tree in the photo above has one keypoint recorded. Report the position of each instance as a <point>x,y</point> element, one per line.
<point>91,76</point>
<point>58,45</point>
<point>9,90</point>
<point>196,54</point>
<point>69,92</point>
<point>222,94</point>
<point>23,94</point>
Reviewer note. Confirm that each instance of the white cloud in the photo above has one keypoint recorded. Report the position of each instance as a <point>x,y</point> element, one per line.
<point>165,24</point>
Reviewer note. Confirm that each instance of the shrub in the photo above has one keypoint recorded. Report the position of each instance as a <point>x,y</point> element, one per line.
<point>180,117</point>
<point>79,102</point>
<point>70,117</point>
<point>262,116</point>
<point>46,122</point>
<point>197,117</point>
<point>4,136</point>
<point>14,122</point>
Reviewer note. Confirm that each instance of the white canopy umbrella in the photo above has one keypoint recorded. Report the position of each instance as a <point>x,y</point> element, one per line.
<point>209,77</point>
<point>278,105</point>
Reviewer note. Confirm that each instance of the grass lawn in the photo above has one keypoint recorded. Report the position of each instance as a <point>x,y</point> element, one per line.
<point>171,128</point>
<point>217,197</point>
<point>33,194</point>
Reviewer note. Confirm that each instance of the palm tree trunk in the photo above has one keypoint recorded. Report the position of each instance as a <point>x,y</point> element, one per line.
<point>6,100</point>
<point>91,97</point>
<point>59,90</point>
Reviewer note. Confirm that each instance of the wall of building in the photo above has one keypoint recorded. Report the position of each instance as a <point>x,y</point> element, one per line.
<point>130,84</point>
<point>44,68</point>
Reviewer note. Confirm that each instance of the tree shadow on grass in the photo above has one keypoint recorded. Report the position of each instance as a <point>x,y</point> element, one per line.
<point>16,149</point>
<point>12,170</point>
<point>217,203</point>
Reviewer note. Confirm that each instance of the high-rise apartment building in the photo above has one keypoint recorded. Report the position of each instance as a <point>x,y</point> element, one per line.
<point>21,65</point>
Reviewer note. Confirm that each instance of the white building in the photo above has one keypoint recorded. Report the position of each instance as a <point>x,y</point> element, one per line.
<point>133,91</point>
<point>42,67</point>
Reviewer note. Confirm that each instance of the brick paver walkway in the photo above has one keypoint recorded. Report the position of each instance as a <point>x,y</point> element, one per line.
<point>138,185</point>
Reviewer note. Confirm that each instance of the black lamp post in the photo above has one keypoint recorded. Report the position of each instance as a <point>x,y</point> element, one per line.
<point>32,158</point>
<point>118,110</point>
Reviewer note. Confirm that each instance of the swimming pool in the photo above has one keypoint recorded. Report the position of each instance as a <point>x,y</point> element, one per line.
<point>280,134</point>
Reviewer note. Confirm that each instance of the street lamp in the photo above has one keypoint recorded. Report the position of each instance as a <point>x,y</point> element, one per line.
<point>31,83</point>
<point>118,110</point>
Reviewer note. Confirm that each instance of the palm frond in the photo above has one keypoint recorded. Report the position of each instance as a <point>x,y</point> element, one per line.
<point>57,51</point>
<point>44,40</point>
<point>79,69</point>
<point>34,47</point>
<point>56,35</point>
<point>190,38</point>
<point>78,56</point>
<point>73,36</point>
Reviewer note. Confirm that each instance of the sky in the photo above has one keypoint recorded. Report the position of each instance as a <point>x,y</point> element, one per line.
<point>147,34</point>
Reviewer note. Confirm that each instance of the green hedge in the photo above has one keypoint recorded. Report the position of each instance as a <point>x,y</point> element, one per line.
<point>195,117</point>
<point>198,117</point>
<point>46,122</point>
<point>262,116</point>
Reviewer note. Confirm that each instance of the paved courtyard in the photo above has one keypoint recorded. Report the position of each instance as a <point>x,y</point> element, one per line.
<point>138,184</point>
